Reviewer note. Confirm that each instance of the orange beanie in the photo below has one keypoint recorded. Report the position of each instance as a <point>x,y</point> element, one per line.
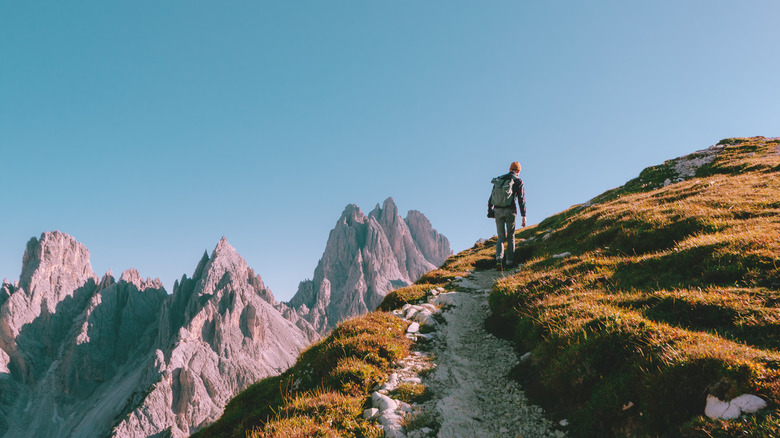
<point>515,166</point>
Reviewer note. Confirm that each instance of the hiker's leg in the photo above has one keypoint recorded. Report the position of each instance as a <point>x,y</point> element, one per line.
<point>510,235</point>
<point>500,228</point>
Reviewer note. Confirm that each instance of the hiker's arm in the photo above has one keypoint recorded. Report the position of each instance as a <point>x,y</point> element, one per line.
<point>521,198</point>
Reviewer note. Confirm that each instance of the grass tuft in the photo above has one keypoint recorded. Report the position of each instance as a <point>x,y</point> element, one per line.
<point>411,393</point>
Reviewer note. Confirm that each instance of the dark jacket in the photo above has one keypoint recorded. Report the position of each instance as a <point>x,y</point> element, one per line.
<point>517,190</point>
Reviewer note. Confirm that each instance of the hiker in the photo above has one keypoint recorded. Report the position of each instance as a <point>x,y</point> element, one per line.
<point>501,206</point>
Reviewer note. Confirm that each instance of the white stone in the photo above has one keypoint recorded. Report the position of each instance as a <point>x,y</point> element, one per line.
<point>422,313</point>
<point>413,328</point>
<point>383,402</point>
<point>393,379</point>
<point>717,408</point>
<point>370,413</point>
<point>391,421</point>
<point>525,357</point>
<point>749,403</point>
<point>425,319</point>
<point>431,308</point>
<point>446,299</point>
<point>561,255</point>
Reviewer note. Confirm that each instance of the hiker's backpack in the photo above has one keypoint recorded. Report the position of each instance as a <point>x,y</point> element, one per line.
<point>502,195</point>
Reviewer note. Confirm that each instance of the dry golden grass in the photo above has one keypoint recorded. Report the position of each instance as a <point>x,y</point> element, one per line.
<point>325,392</point>
<point>318,413</point>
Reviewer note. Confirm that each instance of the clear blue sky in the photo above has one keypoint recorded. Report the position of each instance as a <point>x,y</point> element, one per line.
<point>148,130</point>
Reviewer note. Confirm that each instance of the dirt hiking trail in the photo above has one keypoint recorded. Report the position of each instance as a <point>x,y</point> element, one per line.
<point>472,394</point>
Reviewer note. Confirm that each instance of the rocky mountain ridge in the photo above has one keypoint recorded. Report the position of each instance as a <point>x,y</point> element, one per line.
<point>82,357</point>
<point>367,256</point>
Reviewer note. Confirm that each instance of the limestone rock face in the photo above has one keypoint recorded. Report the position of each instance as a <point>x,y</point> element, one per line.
<point>230,337</point>
<point>56,282</point>
<point>434,246</point>
<point>122,357</point>
<point>365,258</point>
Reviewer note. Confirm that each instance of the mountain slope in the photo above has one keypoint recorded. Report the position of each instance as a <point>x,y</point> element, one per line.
<point>636,308</point>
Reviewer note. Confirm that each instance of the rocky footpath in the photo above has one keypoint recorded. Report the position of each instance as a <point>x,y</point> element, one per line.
<point>465,369</point>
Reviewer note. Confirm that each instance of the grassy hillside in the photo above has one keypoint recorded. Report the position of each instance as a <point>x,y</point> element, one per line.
<point>670,292</point>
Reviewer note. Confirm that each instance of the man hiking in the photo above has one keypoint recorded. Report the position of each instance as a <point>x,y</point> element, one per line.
<point>501,205</point>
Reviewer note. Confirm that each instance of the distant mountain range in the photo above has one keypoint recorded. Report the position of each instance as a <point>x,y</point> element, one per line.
<point>88,356</point>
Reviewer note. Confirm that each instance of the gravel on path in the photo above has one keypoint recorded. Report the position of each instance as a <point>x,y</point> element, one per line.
<point>472,394</point>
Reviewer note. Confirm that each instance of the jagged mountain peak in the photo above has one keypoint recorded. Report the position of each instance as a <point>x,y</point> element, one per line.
<point>56,278</point>
<point>388,210</point>
<point>352,214</point>
<point>224,260</point>
<point>201,265</point>
<point>49,255</point>
<point>366,257</point>
<point>224,247</point>
<point>107,280</point>
<point>132,276</point>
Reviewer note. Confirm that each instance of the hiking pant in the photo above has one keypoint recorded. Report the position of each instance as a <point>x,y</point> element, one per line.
<point>505,225</point>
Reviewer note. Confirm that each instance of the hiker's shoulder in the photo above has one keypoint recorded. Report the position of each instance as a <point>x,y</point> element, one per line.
<point>506,177</point>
